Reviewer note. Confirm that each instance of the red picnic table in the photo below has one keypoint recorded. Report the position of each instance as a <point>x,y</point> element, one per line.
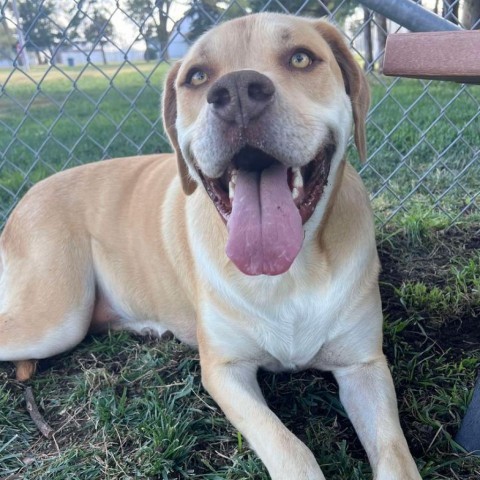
<point>453,55</point>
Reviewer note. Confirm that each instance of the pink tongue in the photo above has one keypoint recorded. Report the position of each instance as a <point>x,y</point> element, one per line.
<point>265,230</point>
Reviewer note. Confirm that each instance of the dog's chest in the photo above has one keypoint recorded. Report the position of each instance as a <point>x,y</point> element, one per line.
<point>292,334</point>
<point>280,323</point>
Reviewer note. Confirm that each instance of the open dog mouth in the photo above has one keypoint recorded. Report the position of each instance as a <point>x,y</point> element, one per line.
<point>265,204</point>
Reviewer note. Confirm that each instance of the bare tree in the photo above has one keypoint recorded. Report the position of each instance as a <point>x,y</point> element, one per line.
<point>382,31</point>
<point>41,34</point>
<point>98,31</point>
<point>367,38</point>
<point>7,41</point>
<point>152,18</point>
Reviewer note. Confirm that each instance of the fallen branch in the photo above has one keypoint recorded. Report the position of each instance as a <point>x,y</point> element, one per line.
<point>37,418</point>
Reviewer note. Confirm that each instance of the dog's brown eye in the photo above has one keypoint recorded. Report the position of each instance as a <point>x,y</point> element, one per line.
<point>300,60</point>
<point>198,78</point>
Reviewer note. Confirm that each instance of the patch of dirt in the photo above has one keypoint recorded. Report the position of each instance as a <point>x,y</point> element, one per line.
<point>431,264</point>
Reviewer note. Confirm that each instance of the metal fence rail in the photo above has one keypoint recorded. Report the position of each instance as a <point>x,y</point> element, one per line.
<point>80,81</point>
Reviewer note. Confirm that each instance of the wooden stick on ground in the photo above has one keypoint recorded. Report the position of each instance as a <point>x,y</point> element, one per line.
<point>37,418</point>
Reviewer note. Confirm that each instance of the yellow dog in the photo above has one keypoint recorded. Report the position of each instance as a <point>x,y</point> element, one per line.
<point>261,252</point>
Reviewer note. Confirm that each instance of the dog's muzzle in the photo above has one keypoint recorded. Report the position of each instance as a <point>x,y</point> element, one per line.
<point>263,201</point>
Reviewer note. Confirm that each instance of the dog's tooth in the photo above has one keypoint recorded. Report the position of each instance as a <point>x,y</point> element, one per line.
<point>297,178</point>
<point>295,193</point>
<point>232,183</point>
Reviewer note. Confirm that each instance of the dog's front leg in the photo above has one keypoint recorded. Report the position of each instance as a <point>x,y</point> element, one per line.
<point>368,395</point>
<point>234,386</point>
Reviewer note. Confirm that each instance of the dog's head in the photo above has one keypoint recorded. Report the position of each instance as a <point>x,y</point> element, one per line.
<point>260,112</point>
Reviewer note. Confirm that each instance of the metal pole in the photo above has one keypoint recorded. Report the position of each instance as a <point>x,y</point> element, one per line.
<point>21,40</point>
<point>410,15</point>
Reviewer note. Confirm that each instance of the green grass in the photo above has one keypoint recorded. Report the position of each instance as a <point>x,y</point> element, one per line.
<point>435,141</point>
<point>130,407</point>
<point>78,115</point>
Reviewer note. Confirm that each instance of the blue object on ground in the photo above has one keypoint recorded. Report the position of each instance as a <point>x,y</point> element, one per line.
<point>469,434</point>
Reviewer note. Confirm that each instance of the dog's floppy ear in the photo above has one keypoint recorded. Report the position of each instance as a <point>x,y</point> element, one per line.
<point>356,84</point>
<point>169,121</point>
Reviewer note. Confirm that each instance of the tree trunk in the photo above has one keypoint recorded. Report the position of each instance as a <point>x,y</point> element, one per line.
<point>162,32</point>
<point>52,59</point>
<point>382,31</point>
<point>163,45</point>
<point>367,39</point>
<point>471,14</point>
<point>146,55</point>
<point>102,49</point>
<point>450,10</point>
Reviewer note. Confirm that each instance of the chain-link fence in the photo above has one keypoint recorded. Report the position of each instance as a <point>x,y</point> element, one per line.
<point>80,81</point>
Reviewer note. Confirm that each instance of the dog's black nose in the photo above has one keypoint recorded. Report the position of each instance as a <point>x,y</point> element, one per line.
<point>240,97</point>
